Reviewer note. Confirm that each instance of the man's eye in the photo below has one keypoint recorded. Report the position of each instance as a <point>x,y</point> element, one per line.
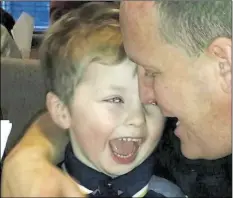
<point>150,74</point>
<point>115,100</point>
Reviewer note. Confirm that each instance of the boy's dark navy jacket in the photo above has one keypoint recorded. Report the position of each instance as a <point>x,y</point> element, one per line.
<point>140,182</point>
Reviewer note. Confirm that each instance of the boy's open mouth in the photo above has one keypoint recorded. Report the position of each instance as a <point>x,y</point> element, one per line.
<point>124,150</point>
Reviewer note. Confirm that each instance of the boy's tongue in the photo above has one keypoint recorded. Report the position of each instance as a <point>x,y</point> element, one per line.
<point>123,147</point>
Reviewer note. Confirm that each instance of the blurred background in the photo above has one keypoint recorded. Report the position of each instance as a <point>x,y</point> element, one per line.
<point>37,9</point>
<point>43,14</point>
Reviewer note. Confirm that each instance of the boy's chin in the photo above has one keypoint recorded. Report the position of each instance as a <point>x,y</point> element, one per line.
<point>117,173</point>
<point>119,170</point>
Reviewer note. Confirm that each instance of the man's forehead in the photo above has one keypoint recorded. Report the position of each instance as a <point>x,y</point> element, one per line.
<point>137,16</point>
<point>140,35</point>
<point>135,10</point>
<point>137,5</point>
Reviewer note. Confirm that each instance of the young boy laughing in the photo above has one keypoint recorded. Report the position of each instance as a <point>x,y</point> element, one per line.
<point>93,93</point>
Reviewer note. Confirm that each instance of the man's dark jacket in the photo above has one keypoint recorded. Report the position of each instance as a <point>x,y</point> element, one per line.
<point>197,178</point>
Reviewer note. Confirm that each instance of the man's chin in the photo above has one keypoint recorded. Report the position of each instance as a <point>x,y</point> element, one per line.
<point>197,154</point>
<point>189,152</point>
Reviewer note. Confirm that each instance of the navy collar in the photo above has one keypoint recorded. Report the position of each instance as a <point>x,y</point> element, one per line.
<point>127,184</point>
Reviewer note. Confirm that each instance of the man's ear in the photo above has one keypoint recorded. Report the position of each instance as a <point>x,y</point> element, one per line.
<point>220,50</point>
<point>58,111</point>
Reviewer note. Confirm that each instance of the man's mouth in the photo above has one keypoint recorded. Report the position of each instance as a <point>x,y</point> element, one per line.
<point>177,129</point>
<point>125,149</point>
<point>177,123</point>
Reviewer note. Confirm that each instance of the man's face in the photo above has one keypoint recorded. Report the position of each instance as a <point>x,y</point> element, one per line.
<point>111,130</point>
<point>183,87</point>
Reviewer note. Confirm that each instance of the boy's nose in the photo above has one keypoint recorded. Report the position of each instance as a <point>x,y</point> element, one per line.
<point>136,117</point>
<point>146,90</point>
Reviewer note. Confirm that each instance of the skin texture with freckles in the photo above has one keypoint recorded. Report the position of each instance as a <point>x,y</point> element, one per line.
<point>192,89</point>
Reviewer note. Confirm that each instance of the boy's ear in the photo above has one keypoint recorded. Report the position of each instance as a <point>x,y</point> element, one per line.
<point>58,111</point>
<point>220,49</point>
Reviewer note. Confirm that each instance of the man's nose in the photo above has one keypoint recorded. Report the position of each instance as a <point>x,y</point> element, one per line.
<point>146,90</point>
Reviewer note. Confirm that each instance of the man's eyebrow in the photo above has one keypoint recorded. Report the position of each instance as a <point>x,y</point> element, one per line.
<point>139,64</point>
<point>131,59</point>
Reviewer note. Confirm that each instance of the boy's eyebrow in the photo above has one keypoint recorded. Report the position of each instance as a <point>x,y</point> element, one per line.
<point>135,72</point>
<point>117,88</point>
<point>136,68</point>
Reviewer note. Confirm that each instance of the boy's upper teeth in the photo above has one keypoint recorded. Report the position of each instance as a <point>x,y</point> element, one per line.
<point>177,123</point>
<point>131,139</point>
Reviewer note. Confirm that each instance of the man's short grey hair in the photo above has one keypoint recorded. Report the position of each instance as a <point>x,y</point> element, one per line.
<point>193,25</point>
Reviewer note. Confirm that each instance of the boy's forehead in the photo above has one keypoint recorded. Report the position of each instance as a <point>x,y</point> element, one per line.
<point>111,74</point>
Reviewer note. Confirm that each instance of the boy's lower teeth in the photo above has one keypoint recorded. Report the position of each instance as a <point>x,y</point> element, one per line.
<point>124,152</point>
<point>123,156</point>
